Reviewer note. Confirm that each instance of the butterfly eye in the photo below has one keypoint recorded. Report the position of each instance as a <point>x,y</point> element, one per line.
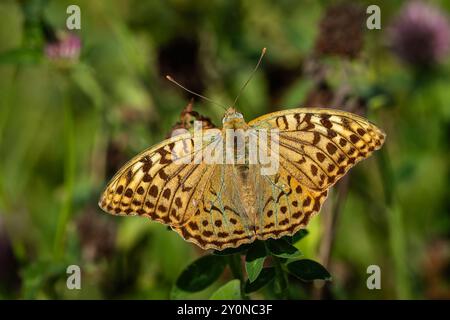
<point>239,115</point>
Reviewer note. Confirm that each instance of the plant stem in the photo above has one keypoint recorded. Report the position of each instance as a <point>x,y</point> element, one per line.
<point>281,283</point>
<point>69,178</point>
<point>331,217</point>
<point>6,103</point>
<point>397,240</point>
<point>234,261</point>
<point>330,227</point>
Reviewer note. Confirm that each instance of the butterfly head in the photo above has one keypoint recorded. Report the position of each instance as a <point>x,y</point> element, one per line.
<point>233,119</point>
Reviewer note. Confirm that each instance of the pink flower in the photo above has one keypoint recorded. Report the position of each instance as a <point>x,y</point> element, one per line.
<point>67,47</point>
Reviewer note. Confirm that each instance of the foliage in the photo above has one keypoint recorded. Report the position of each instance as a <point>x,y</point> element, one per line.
<point>281,255</point>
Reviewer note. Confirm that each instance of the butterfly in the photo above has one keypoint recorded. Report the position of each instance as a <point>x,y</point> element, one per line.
<point>224,205</point>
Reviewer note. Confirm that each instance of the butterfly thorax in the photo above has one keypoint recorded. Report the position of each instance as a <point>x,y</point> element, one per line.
<point>236,138</point>
<point>235,129</point>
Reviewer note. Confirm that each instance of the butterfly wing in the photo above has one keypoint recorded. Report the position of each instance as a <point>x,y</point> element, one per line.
<point>220,221</point>
<point>159,183</point>
<point>285,205</point>
<point>316,148</point>
<point>200,201</point>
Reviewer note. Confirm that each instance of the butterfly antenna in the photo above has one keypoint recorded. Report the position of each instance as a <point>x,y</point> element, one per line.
<point>192,92</point>
<point>263,52</point>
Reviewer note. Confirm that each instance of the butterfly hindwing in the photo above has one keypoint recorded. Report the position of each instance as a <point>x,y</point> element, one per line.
<point>220,220</point>
<point>287,206</point>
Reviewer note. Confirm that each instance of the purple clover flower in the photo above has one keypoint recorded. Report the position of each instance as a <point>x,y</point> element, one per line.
<point>420,35</point>
<point>67,47</point>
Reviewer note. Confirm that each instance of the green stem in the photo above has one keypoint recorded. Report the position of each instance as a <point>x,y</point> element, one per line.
<point>69,178</point>
<point>397,239</point>
<point>281,283</point>
<point>234,261</point>
<point>6,103</point>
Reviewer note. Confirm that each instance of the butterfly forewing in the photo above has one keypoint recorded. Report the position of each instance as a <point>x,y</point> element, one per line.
<point>157,185</point>
<point>316,148</point>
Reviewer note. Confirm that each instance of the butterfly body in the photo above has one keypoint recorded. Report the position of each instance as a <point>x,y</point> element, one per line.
<point>219,205</point>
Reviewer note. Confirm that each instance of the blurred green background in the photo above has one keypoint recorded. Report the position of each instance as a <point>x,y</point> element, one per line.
<point>75,106</point>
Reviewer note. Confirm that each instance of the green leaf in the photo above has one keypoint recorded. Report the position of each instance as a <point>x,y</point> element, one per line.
<point>39,274</point>
<point>21,56</point>
<point>308,270</point>
<point>282,248</point>
<point>178,294</point>
<point>229,291</point>
<point>226,252</point>
<point>254,260</point>
<point>201,273</point>
<point>265,277</point>
<point>297,236</point>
